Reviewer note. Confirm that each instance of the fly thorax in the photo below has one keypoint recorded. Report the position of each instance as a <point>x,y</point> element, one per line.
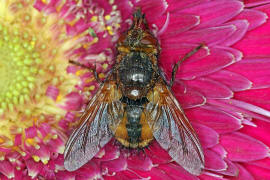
<point>135,73</point>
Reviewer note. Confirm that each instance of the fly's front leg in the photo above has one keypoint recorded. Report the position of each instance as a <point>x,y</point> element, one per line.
<point>176,66</point>
<point>84,66</point>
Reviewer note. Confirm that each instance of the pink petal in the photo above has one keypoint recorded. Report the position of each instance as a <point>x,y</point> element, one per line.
<point>106,6</point>
<point>52,92</point>
<point>256,42</point>
<point>258,97</point>
<point>152,9</point>
<point>207,65</point>
<point>19,175</point>
<point>51,6</point>
<point>215,12</point>
<point>241,29</point>
<point>33,168</point>
<point>249,110</point>
<point>74,101</point>
<point>65,175</point>
<point>263,163</point>
<point>249,107</point>
<point>115,165</point>
<point>254,17</point>
<point>178,23</point>
<point>125,7</point>
<point>210,88</point>
<point>5,150</point>
<point>78,27</point>
<point>231,170</point>
<point>173,52</point>
<point>243,174</point>
<point>71,69</point>
<point>70,116</point>
<point>56,145</point>
<point>210,176</point>
<point>257,172</point>
<point>219,149</point>
<point>238,55</point>
<point>243,148</point>
<point>44,153</point>
<point>122,175</point>
<point>155,173</point>
<point>66,9</point>
<point>39,5</point>
<point>215,119</point>
<point>157,154</point>
<point>91,170</point>
<point>256,70</point>
<point>175,5</point>
<point>255,3</point>
<point>209,36</point>
<point>18,140</point>
<point>213,161</point>
<point>31,132</point>
<point>7,169</point>
<point>187,97</point>
<point>140,162</point>
<point>259,132</point>
<point>111,152</point>
<point>233,80</point>
<point>176,172</point>
<point>190,99</point>
<point>44,129</point>
<point>208,137</point>
<point>100,46</point>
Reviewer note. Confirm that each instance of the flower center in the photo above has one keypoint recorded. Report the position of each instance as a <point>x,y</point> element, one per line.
<point>18,67</point>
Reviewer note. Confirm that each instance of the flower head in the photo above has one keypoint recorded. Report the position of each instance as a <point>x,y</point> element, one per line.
<point>222,87</point>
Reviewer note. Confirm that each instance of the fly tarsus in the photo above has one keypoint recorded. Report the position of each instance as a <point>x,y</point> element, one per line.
<point>176,66</point>
<point>86,67</point>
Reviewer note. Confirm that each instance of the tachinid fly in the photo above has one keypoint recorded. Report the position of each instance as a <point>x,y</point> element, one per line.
<point>135,105</point>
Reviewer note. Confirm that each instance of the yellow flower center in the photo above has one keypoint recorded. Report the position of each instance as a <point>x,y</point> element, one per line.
<point>34,51</point>
<point>18,68</point>
<point>32,58</point>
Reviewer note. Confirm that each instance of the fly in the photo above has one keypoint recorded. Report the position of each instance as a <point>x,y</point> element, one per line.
<point>135,106</point>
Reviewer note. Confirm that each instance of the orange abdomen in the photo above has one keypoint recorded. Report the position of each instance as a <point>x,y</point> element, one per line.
<point>134,131</point>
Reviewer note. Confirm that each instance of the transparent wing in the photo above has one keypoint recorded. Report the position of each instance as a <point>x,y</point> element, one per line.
<point>103,111</point>
<point>172,129</point>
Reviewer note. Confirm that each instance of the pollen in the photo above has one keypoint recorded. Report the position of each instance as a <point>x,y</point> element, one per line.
<point>34,52</point>
<point>107,17</point>
<point>94,19</point>
<point>105,66</point>
<point>30,61</point>
<point>36,158</point>
<point>17,68</point>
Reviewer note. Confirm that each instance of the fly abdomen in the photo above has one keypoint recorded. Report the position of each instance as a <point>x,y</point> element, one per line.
<point>134,128</point>
<point>134,131</point>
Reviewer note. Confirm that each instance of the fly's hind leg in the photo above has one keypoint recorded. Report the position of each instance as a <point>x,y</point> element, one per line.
<point>84,66</point>
<point>176,66</point>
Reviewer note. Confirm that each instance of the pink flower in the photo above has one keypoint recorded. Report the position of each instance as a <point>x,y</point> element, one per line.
<point>223,88</point>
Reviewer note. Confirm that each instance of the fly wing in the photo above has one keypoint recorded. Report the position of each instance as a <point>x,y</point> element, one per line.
<point>103,111</point>
<point>172,129</point>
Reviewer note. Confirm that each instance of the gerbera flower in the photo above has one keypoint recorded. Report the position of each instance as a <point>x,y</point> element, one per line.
<point>222,88</point>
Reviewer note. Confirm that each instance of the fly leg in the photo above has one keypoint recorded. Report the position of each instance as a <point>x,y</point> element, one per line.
<point>176,66</point>
<point>84,66</point>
